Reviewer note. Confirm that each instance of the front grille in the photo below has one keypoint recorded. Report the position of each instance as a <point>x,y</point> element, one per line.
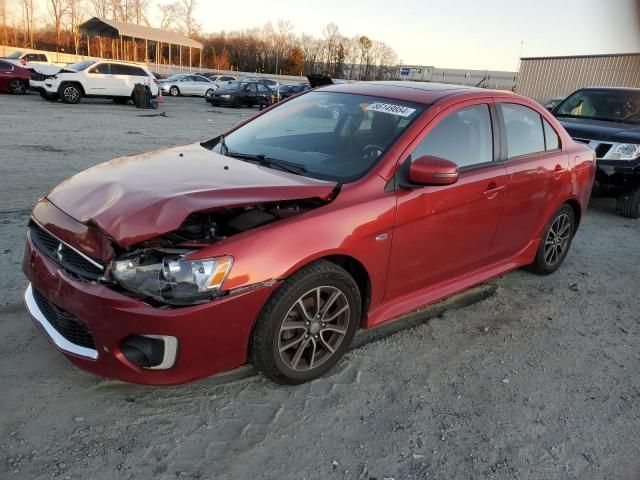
<point>65,324</point>
<point>38,77</point>
<point>602,149</point>
<point>62,254</point>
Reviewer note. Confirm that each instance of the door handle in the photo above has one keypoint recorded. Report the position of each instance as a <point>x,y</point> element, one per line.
<point>492,190</point>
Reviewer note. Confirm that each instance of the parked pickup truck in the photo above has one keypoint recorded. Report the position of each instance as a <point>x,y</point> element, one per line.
<point>33,60</point>
<point>608,120</point>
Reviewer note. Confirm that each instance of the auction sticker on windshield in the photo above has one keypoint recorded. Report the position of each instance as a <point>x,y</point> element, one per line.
<point>390,108</point>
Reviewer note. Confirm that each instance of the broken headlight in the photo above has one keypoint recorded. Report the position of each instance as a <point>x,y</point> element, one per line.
<point>167,276</point>
<point>623,151</point>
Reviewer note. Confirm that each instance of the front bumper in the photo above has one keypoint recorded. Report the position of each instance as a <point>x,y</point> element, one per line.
<point>616,177</point>
<point>211,338</point>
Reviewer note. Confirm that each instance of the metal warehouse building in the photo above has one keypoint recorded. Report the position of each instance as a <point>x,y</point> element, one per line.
<point>541,78</point>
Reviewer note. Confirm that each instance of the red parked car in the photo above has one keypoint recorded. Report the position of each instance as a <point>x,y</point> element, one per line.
<point>13,78</point>
<point>275,242</point>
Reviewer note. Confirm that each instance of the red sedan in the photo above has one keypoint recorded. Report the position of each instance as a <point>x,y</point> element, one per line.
<point>13,78</point>
<point>342,208</point>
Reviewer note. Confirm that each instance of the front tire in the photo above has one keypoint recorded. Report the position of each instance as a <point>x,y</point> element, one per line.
<point>307,325</point>
<point>629,204</point>
<point>174,91</point>
<point>555,242</point>
<point>70,93</point>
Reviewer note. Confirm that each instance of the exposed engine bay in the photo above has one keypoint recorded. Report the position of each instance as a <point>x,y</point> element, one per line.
<point>202,228</point>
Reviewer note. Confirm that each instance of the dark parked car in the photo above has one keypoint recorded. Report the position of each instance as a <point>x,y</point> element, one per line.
<point>275,242</point>
<point>241,92</point>
<point>552,103</point>
<point>272,84</point>
<point>13,78</point>
<point>608,120</point>
<point>287,91</point>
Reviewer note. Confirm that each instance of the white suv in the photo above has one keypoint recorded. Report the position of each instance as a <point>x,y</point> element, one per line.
<point>90,78</point>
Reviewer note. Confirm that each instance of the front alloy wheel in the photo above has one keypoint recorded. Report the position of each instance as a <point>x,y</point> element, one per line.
<point>307,325</point>
<point>313,328</point>
<point>70,93</point>
<point>174,92</point>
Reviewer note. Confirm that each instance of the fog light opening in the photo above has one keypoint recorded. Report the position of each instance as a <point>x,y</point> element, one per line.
<point>155,352</point>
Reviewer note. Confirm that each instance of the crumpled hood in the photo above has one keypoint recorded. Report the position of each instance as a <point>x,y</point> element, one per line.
<point>139,197</point>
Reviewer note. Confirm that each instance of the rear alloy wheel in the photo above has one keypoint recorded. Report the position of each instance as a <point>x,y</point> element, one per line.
<point>556,241</point>
<point>307,325</point>
<point>18,87</point>
<point>629,204</point>
<point>70,93</point>
<point>174,91</point>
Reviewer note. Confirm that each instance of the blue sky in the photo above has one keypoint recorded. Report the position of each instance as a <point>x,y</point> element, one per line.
<point>473,34</point>
<point>456,33</point>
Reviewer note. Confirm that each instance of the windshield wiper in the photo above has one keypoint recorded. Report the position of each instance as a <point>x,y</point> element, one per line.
<point>265,161</point>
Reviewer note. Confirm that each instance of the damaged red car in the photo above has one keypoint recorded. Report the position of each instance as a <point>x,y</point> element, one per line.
<point>341,208</point>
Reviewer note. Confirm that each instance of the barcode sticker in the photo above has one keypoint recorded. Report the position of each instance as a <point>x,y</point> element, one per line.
<point>398,110</point>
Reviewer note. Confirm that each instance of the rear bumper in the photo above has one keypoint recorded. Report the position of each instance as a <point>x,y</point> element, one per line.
<point>211,338</point>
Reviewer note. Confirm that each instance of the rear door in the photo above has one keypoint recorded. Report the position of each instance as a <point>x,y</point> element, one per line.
<point>445,231</point>
<point>537,169</point>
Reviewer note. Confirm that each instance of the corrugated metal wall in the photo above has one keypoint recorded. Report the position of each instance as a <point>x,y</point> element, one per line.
<point>544,78</point>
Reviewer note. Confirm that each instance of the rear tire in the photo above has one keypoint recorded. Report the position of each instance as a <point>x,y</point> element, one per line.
<point>555,241</point>
<point>307,325</point>
<point>629,204</point>
<point>70,93</point>
<point>18,86</point>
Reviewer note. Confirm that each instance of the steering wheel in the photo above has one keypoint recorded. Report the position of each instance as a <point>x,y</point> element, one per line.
<point>372,151</point>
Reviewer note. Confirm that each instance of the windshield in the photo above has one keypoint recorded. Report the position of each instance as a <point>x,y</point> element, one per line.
<point>77,67</point>
<point>332,136</point>
<point>15,55</point>
<point>612,105</point>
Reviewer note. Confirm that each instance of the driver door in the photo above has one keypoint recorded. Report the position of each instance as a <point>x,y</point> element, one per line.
<point>443,232</point>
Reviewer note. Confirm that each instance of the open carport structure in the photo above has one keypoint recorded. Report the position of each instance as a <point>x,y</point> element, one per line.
<point>129,34</point>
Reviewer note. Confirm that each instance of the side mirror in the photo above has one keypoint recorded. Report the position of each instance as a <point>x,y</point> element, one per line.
<point>430,170</point>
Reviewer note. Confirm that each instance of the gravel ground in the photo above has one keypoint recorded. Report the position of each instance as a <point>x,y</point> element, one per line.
<point>536,379</point>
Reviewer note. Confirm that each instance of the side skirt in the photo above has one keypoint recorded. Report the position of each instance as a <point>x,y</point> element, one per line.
<point>397,307</point>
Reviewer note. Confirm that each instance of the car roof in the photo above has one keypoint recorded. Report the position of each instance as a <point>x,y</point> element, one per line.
<point>419,92</point>
<point>617,89</point>
<point>131,64</point>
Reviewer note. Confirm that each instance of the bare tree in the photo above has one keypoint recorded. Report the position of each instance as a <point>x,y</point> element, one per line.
<point>28,23</point>
<point>75,12</point>
<point>3,16</point>
<point>190,25</point>
<point>101,8</point>
<point>57,11</point>
<point>170,15</point>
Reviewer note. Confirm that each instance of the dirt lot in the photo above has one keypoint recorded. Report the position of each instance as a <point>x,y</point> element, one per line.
<point>539,380</point>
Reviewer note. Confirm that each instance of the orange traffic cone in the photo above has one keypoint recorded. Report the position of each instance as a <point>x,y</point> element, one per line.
<point>160,98</point>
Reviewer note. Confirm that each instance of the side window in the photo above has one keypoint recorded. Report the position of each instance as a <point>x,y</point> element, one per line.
<point>5,67</point>
<point>524,130</point>
<point>251,88</point>
<point>263,88</point>
<point>464,137</point>
<point>117,69</point>
<point>102,68</point>
<point>551,138</point>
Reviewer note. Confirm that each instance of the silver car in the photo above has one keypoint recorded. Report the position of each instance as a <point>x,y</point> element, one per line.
<point>185,84</point>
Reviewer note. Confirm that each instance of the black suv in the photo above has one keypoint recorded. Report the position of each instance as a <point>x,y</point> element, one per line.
<point>608,120</point>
